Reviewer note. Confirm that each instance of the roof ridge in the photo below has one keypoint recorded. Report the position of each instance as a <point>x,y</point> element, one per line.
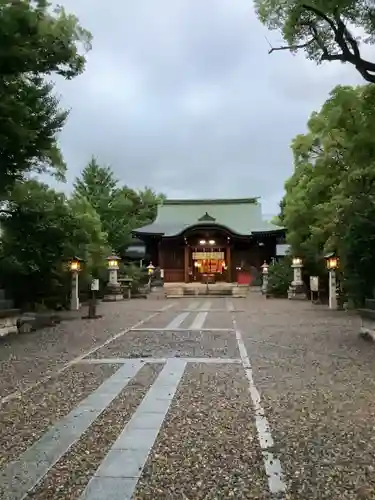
<point>212,201</point>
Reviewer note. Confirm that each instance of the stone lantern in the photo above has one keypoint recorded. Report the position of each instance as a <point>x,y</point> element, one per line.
<point>297,287</point>
<point>265,268</point>
<point>113,290</point>
<point>332,264</point>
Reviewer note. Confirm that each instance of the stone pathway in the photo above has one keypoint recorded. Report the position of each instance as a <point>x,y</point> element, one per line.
<point>190,399</point>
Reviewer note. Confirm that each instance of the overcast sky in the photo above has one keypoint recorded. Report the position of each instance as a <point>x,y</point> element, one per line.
<point>182,95</point>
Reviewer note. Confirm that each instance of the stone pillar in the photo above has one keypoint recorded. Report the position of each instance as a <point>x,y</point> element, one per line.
<point>332,289</point>
<point>113,276</point>
<point>297,274</point>
<point>74,299</point>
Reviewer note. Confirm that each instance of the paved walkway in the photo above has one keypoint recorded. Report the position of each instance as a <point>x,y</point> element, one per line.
<point>190,399</point>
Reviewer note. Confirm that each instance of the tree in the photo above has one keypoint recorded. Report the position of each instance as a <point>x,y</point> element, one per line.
<point>36,42</point>
<point>323,29</point>
<point>39,40</point>
<point>42,230</point>
<point>30,120</point>
<point>329,202</point>
<point>121,209</point>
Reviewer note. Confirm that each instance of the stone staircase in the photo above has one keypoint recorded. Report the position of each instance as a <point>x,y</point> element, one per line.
<point>201,290</point>
<point>8,315</point>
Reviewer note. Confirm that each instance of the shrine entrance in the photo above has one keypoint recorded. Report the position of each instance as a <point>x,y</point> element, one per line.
<point>207,254</point>
<point>209,266</point>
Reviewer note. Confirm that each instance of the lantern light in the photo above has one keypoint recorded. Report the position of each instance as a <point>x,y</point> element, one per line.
<point>297,261</point>
<point>332,263</point>
<point>113,262</point>
<point>212,242</point>
<point>265,267</point>
<point>75,264</point>
<point>202,242</point>
<point>150,268</point>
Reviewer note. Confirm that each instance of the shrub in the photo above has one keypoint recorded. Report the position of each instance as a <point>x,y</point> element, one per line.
<point>137,274</point>
<point>280,276</point>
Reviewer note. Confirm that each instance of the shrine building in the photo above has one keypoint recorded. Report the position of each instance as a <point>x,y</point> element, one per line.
<point>221,239</point>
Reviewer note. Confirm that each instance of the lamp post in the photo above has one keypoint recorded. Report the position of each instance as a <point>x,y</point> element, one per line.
<point>113,292</point>
<point>296,288</point>
<point>332,264</point>
<point>265,277</point>
<point>75,267</point>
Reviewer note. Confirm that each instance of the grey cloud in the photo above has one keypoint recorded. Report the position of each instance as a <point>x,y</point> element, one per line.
<point>182,96</point>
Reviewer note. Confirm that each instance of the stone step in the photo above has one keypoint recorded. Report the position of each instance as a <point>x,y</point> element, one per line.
<point>8,321</point>
<point>370,304</point>
<point>6,304</point>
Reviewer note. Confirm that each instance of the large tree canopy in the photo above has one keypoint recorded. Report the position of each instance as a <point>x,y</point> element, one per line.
<point>330,199</point>
<point>35,41</point>
<point>121,209</point>
<point>41,231</point>
<point>324,29</point>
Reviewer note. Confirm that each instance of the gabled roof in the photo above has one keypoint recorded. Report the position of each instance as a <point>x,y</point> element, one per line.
<point>241,216</point>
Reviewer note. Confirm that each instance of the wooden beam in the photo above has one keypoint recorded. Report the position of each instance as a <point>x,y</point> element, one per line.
<point>229,264</point>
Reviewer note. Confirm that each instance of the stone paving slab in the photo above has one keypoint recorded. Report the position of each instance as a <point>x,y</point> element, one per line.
<point>23,421</point>
<point>70,476</point>
<point>207,447</point>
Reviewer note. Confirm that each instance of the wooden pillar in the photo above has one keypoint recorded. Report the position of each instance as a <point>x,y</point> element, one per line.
<point>160,255</point>
<point>186,263</point>
<point>229,264</point>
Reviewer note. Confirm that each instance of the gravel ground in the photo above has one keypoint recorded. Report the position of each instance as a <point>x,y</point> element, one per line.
<point>315,375</point>
<point>207,447</point>
<point>218,320</point>
<point>70,475</point>
<point>23,421</point>
<point>160,344</point>
<point>24,359</point>
<point>317,380</point>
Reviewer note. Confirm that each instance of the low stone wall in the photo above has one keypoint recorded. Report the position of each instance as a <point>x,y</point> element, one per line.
<point>367,315</point>
<point>8,321</point>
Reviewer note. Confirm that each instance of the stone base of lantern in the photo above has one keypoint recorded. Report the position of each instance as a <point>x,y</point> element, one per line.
<point>297,292</point>
<point>113,293</point>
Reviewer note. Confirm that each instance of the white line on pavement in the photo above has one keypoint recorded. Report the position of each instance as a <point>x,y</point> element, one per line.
<point>177,321</point>
<point>199,320</point>
<point>22,392</point>
<point>20,476</point>
<point>272,464</point>
<point>118,474</point>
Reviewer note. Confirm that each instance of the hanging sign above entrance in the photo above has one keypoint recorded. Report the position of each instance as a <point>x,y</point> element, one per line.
<point>208,255</point>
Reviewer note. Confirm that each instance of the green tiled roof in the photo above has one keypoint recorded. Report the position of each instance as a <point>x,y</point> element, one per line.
<point>241,216</point>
